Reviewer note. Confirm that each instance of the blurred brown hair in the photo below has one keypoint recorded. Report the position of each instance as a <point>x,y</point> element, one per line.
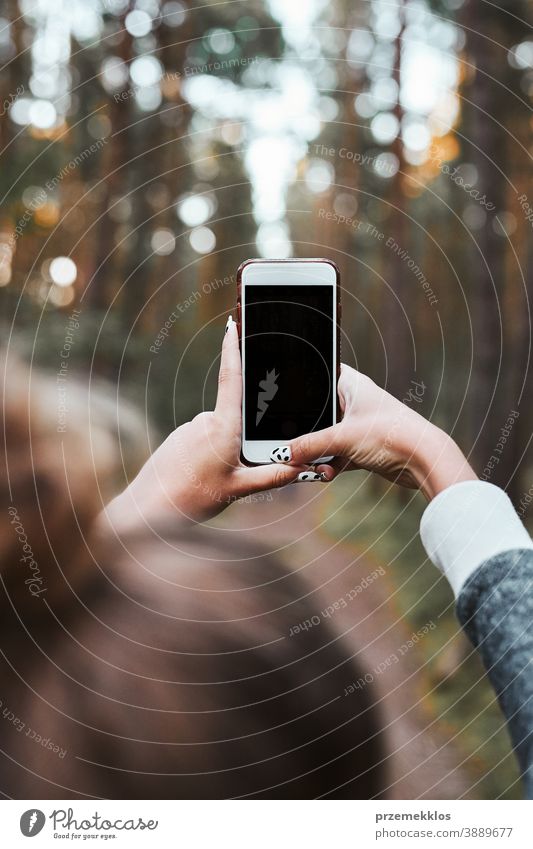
<point>158,665</point>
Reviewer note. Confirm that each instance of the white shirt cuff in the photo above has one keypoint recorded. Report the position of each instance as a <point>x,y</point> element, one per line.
<point>467,524</point>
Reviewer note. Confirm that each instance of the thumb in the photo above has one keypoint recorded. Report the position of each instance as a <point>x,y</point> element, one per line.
<point>307,449</point>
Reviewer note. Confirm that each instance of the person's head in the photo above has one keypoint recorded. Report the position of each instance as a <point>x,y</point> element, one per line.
<point>160,665</point>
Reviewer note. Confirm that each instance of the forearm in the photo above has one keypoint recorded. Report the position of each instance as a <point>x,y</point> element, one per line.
<point>472,534</point>
<point>496,611</point>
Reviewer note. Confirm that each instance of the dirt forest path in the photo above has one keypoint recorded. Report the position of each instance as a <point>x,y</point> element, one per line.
<point>422,762</point>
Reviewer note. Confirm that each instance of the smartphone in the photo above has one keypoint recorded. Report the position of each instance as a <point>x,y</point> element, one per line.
<point>288,317</point>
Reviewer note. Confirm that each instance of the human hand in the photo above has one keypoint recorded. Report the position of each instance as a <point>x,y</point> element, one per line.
<point>383,435</point>
<point>196,472</point>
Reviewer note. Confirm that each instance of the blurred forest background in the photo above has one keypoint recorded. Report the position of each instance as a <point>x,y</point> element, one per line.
<point>147,148</point>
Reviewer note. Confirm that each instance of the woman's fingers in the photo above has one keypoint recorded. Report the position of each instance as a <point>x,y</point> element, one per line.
<point>229,394</point>
<point>262,478</point>
<point>334,468</point>
<point>308,448</point>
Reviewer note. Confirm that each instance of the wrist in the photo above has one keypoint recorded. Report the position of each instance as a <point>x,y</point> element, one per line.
<point>437,462</point>
<point>140,507</point>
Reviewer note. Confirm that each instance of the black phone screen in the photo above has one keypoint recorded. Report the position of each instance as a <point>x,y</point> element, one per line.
<point>289,337</point>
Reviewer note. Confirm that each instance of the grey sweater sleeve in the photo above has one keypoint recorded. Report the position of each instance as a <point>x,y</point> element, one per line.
<point>495,608</point>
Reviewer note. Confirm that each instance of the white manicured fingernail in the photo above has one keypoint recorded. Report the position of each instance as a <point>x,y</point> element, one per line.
<point>310,476</point>
<point>281,455</point>
<point>228,323</point>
